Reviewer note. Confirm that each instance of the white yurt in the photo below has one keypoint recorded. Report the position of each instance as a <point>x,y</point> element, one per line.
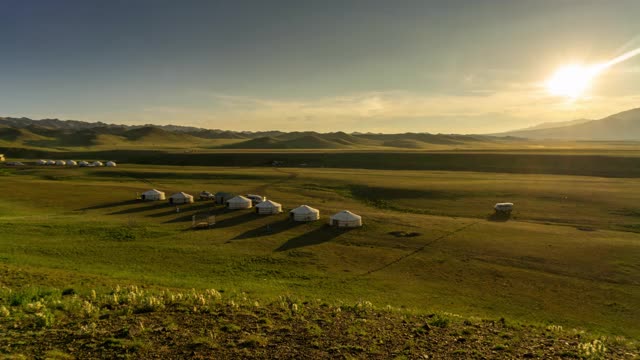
<point>505,207</point>
<point>61,162</point>
<point>83,163</point>
<point>180,198</point>
<point>304,213</point>
<point>239,202</point>
<point>345,218</point>
<point>152,195</point>
<point>268,207</point>
<point>71,163</point>
<point>111,163</point>
<point>51,162</point>
<point>41,162</point>
<point>98,163</point>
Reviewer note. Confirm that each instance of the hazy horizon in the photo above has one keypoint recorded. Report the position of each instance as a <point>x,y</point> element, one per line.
<point>360,66</point>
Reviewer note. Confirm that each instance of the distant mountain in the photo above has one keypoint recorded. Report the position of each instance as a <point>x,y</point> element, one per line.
<point>553,124</point>
<point>624,126</point>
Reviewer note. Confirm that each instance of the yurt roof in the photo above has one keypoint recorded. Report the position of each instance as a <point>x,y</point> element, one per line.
<point>268,204</point>
<point>181,195</point>
<point>239,198</point>
<point>346,215</point>
<point>153,191</point>
<point>304,209</point>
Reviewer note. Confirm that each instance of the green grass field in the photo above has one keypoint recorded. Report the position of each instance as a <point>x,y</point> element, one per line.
<point>569,255</point>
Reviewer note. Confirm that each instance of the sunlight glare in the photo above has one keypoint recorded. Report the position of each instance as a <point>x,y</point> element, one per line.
<point>572,80</point>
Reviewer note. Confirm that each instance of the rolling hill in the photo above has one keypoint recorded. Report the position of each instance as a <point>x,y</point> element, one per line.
<point>624,126</point>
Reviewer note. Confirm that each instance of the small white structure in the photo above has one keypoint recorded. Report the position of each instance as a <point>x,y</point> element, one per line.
<point>41,162</point>
<point>61,163</point>
<point>97,163</point>
<point>304,213</point>
<point>1,157</point>
<point>268,207</point>
<point>345,218</point>
<point>255,199</point>
<point>72,163</point>
<point>51,162</point>
<point>206,195</point>
<point>504,208</point>
<point>152,195</point>
<point>239,202</point>
<point>180,198</point>
<point>83,163</point>
<point>111,163</point>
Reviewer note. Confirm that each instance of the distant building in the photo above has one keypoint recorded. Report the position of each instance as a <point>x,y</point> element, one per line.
<point>268,207</point>
<point>152,195</point>
<point>239,202</point>
<point>180,198</point>
<point>222,197</point>
<point>345,218</point>
<point>304,213</point>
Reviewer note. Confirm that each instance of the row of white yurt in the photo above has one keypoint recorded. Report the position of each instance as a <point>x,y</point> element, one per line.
<point>74,163</point>
<point>180,198</point>
<point>157,195</point>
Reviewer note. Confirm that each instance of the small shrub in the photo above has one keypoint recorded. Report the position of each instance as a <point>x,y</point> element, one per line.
<point>229,328</point>
<point>439,321</point>
<point>499,347</point>
<point>253,341</point>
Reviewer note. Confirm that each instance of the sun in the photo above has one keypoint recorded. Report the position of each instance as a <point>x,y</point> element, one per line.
<point>572,81</point>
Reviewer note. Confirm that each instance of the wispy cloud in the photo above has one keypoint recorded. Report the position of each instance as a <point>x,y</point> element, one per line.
<point>477,111</point>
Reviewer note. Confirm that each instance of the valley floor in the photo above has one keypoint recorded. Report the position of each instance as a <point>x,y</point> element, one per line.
<point>567,258</point>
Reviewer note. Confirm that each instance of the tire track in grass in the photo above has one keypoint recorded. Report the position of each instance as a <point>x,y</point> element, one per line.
<point>440,238</point>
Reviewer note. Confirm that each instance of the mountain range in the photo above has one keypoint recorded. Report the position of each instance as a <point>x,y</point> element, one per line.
<point>55,133</point>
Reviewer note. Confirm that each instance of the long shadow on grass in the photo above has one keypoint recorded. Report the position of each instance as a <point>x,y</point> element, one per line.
<point>499,217</point>
<point>184,208</point>
<point>317,236</point>
<point>242,218</point>
<point>112,204</point>
<point>154,206</point>
<point>269,229</point>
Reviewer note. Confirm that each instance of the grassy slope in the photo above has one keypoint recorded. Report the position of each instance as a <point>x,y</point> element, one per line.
<point>81,226</point>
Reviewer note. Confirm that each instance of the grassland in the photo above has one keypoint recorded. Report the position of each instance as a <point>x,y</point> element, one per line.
<point>569,256</point>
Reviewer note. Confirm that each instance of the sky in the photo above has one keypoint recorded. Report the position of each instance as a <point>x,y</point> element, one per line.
<point>450,66</point>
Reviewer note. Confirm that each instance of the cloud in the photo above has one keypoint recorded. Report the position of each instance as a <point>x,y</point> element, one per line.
<point>476,111</point>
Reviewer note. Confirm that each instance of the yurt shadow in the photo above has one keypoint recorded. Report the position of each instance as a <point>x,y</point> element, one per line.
<point>317,236</point>
<point>499,217</point>
<point>242,218</point>
<point>184,208</point>
<point>183,218</point>
<point>268,229</point>
<point>112,204</point>
<point>154,206</point>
